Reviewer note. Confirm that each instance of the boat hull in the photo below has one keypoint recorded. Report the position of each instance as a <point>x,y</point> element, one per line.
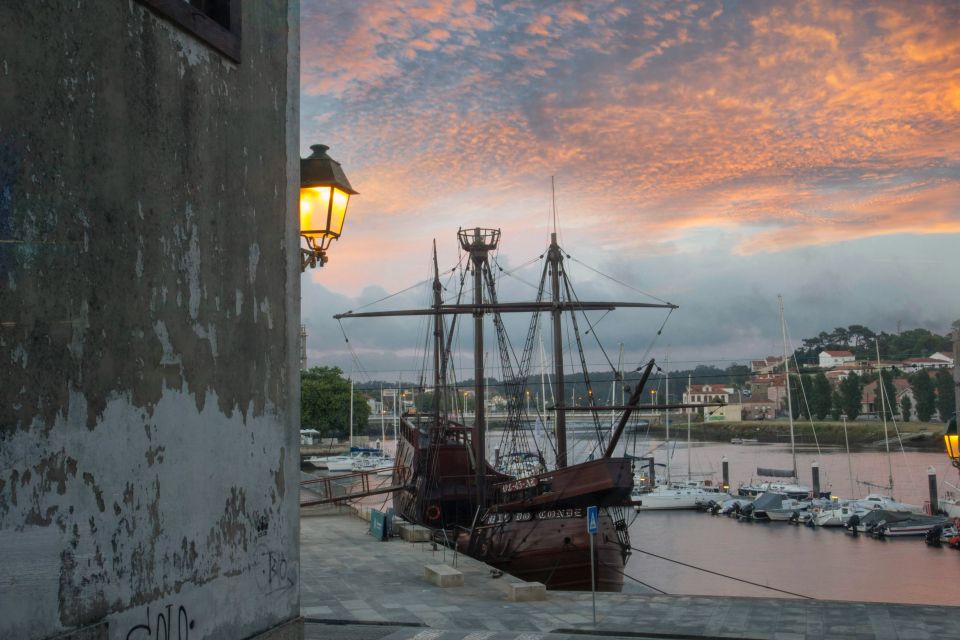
<point>551,547</point>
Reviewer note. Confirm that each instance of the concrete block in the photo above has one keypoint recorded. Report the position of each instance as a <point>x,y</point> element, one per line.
<point>413,532</point>
<point>441,575</point>
<point>527,591</point>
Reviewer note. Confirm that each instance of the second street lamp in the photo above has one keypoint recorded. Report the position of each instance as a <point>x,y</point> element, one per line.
<point>950,439</point>
<point>324,195</point>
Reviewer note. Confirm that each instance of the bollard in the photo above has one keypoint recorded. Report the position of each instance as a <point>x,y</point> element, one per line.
<point>932,483</point>
<point>815,470</point>
<point>726,473</point>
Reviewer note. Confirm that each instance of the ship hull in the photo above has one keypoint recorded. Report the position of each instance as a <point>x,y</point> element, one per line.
<point>551,549</point>
<point>533,528</point>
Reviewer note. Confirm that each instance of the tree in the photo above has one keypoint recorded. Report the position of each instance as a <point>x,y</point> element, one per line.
<point>796,399</point>
<point>325,402</point>
<point>851,394</point>
<point>924,394</point>
<point>836,404</point>
<point>821,396</point>
<point>946,401</point>
<point>906,408</point>
<point>886,403</point>
<point>804,400</point>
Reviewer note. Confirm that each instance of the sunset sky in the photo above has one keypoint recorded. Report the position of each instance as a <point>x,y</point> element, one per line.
<point>714,154</point>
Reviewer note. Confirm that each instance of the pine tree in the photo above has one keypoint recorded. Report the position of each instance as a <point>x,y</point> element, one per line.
<point>946,401</point>
<point>821,396</point>
<point>924,394</point>
<point>851,395</point>
<point>906,408</point>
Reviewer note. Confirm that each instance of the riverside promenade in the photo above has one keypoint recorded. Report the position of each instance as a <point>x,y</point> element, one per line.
<point>353,586</point>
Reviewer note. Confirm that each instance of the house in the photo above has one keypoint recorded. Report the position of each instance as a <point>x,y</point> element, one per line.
<point>830,359</point>
<point>943,356</point>
<point>842,372</point>
<point>870,399</point>
<point>759,409</point>
<point>149,315</point>
<point>768,386</point>
<point>915,364</point>
<point>766,365</point>
<point>309,436</point>
<point>706,393</point>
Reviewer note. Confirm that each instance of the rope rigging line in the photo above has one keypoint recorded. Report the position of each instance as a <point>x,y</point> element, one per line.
<point>723,575</point>
<point>620,282</point>
<point>572,294</point>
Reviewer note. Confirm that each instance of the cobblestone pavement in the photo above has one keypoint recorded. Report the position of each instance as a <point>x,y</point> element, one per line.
<point>348,577</point>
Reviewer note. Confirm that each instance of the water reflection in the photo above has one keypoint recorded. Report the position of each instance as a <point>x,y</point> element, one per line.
<point>822,563</point>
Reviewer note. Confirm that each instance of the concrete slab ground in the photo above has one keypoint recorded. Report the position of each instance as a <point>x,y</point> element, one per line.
<point>348,578</point>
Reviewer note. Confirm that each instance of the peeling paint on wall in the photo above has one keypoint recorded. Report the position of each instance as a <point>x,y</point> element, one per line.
<point>148,426</point>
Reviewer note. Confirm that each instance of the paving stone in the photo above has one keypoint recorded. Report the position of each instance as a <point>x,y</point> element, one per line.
<point>345,571</point>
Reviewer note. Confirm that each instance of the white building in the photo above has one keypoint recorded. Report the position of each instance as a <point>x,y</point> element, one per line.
<point>706,393</point>
<point>830,359</point>
<point>943,356</point>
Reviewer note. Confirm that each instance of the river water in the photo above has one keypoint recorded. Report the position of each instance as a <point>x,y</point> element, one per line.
<point>821,563</point>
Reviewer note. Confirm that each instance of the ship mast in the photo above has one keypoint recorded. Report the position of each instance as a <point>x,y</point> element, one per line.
<point>479,243</point>
<point>439,384</point>
<point>555,261</point>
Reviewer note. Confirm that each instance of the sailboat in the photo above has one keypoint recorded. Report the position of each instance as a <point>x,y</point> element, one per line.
<point>532,526</point>
<point>794,489</point>
<point>691,494</point>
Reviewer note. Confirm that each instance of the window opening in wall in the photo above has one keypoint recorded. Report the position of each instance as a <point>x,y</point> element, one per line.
<point>214,22</point>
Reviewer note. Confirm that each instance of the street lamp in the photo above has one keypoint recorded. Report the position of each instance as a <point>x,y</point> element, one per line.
<point>950,439</point>
<point>324,195</point>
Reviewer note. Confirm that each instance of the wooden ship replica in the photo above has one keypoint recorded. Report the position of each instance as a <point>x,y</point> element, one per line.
<point>531,525</point>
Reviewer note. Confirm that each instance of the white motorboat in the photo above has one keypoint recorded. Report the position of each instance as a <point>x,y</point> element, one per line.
<point>382,462</point>
<point>791,490</point>
<point>791,510</point>
<point>836,516</point>
<point>342,463</point>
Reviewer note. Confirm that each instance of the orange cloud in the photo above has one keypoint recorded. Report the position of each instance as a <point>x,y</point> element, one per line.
<point>789,124</point>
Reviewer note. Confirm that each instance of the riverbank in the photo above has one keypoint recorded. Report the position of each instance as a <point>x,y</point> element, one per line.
<point>926,436</point>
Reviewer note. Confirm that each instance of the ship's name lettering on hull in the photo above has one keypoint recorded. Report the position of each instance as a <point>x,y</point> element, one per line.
<point>519,485</point>
<point>525,516</point>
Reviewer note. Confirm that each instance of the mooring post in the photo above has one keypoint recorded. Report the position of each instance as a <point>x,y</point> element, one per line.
<point>815,470</point>
<point>932,484</point>
<point>726,473</point>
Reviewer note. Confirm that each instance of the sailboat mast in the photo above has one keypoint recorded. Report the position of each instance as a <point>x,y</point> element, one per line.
<point>883,413</point>
<point>555,259</point>
<point>689,467</point>
<point>786,382</point>
<point>666,412</point>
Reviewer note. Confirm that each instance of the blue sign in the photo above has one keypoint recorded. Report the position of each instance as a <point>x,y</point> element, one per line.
<point>592,518</point>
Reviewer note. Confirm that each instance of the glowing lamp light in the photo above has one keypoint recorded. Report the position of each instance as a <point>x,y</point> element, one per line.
<point>950,438</point>
<point>324,195</point>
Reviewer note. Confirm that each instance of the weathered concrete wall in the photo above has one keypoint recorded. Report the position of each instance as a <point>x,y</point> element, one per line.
<point>148,315</point>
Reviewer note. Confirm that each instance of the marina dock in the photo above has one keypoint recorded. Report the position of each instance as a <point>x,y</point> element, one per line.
<point>353,586</point>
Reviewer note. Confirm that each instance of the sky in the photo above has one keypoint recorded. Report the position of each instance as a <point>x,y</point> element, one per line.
<point>713,154</point>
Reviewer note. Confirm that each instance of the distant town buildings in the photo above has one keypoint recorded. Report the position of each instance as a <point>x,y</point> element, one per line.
<point>764,395</point>
<point>830,359</point>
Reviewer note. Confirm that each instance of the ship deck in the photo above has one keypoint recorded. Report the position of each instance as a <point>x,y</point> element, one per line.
<point>348,578</point>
